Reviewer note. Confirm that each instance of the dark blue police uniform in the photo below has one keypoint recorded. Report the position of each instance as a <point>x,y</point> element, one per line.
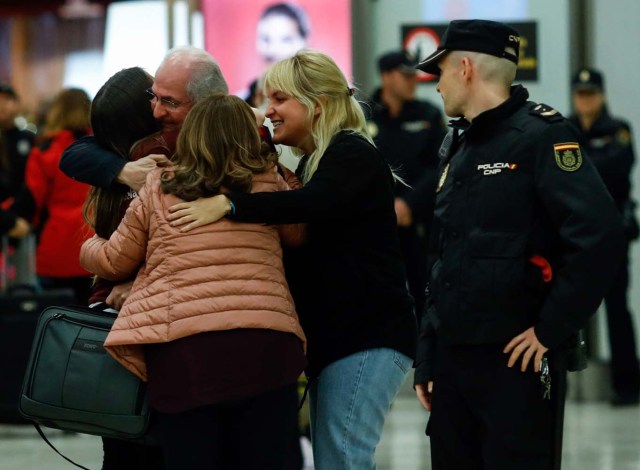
<point>514,184</point>
<point>609,146</point>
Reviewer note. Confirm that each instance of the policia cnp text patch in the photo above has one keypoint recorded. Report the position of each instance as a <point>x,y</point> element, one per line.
<point>568,156</point>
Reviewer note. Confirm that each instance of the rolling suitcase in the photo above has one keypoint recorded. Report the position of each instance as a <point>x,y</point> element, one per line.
<point>20,305</point>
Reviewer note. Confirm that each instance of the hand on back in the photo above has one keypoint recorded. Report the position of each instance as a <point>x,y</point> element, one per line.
<point>134,174</point>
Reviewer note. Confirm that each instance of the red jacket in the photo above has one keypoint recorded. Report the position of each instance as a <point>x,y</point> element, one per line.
<point>61,199</point>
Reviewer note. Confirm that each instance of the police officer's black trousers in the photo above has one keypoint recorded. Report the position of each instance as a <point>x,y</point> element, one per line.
<point>625,372</point>
<point>488,416</point>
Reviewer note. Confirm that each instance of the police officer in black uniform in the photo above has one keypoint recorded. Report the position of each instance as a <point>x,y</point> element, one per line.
<point>607,142</point>
<point>408,133</point>
<point>15,144</point>
<point>526,241</point>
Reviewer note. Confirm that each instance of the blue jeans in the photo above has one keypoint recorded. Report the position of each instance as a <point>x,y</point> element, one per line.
<point>348,404</point>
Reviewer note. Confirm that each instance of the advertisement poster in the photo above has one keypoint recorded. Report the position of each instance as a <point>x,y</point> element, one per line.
<point>245,36</point>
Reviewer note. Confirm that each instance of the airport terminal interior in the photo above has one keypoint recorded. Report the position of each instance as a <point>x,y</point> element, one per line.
<point>96,38</point>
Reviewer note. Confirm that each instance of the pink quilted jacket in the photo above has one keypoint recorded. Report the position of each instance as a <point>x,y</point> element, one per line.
<point>221,276</point>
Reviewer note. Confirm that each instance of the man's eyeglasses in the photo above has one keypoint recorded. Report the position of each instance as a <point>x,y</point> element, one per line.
<point>166,102</point>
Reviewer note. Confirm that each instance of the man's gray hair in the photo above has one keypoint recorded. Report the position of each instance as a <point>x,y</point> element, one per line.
<point>205,78</point>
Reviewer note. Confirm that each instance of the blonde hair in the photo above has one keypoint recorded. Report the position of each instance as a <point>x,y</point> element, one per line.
<point>314,79</point>
<point>218,145</point>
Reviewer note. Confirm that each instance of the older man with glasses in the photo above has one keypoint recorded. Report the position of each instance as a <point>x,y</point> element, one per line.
<point>185,76</point>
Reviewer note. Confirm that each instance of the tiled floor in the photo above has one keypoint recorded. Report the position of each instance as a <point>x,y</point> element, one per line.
<point>597,437</point>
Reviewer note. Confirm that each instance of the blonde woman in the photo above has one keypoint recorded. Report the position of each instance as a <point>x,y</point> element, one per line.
<point>348,281</point>
<point>210,323</point>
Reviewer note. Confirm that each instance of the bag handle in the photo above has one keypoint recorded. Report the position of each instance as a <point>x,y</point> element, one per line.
<point>102,307</point>
<point>37,426</point>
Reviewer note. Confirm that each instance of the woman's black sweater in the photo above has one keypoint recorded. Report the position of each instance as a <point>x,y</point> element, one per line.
<point>348,280</point>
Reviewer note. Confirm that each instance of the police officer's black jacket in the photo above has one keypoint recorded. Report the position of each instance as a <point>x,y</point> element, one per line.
<point>514,184</point>
<point>608,144</point>
<point>410,142</point>
<point>16,146</point>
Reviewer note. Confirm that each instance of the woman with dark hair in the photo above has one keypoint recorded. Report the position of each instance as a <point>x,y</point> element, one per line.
<point>123,122</point>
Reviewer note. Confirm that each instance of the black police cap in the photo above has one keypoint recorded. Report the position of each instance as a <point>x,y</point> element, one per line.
<point>488,37</point>
<point>397,60</point>
<point>588,79</point>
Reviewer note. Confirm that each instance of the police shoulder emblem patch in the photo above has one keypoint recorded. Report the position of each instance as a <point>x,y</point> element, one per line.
<point>545,112</point>
<point>623,136</point>
<point>568,156</point>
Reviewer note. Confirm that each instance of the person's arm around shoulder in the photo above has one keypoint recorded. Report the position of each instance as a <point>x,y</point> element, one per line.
<point>202,211</point>
<point>88,162</point>
<point>333,193</point>
<point>120,256</point>
<point>293,235</point>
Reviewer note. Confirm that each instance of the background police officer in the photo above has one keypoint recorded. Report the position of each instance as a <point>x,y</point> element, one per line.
<point>526,242</point>
<point>15,144</point>
<point>607,142</point>
<point>408,132</point>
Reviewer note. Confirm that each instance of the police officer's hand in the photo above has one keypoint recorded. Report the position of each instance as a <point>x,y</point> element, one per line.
<point>424,393</point>
<point>526,345</point>
<point>403,213</point>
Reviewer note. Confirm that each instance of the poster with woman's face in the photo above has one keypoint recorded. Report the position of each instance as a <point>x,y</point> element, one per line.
<point>246,36</point>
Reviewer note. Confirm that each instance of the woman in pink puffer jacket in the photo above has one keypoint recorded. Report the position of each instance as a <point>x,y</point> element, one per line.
<point>210,322</point>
